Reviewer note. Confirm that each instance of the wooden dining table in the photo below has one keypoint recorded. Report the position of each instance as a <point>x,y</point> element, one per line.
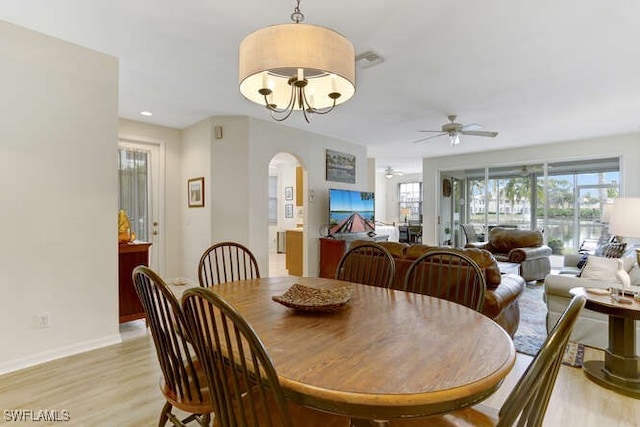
<point>385,354</point>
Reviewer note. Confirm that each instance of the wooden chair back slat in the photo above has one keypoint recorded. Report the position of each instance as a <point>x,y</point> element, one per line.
<point>528,401</point>
<point>369,264</point>
<point>226,262</point>
<point>182,383</point>
<point>234,360</point>
<point>449,275</point>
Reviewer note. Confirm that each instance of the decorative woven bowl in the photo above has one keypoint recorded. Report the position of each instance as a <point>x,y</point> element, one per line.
<point>305,298</point>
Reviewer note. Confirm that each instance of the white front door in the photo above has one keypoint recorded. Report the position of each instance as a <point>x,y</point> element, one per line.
<point>144,201</point>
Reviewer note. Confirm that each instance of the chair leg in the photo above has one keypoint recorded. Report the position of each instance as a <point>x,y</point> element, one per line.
<point>164,415</point>
<point>177,421</point>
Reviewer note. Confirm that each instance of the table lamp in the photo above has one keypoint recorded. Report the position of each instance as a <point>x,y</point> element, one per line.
<point>625,219</point>
<point>405,212</point>
<point>607,208</point>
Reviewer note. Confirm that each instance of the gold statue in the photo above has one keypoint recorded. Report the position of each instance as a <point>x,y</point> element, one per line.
<point>125,235</point>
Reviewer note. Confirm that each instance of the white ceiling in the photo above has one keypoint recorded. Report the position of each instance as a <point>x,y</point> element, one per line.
<point>536,71</point>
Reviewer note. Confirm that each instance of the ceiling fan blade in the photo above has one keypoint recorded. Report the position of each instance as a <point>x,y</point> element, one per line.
<point>429,137</point>
<point>470,127</point>
<point>478,133</point>
<point>438,131</point>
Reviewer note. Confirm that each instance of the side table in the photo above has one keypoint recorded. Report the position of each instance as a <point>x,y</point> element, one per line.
<point>620,370</point>
<point>130,255</point>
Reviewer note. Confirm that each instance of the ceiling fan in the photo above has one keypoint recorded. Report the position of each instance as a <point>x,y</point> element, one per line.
<point>454,130</point>
<point>389,172</point>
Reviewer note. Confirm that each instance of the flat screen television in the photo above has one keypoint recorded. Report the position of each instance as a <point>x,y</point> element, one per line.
<point>351,211</point>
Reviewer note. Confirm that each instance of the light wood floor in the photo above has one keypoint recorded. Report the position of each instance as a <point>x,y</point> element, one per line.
<point>277,265</point>
<point>118,385</point>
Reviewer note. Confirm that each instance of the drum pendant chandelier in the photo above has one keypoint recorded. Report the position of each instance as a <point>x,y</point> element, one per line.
<point>296,66</point>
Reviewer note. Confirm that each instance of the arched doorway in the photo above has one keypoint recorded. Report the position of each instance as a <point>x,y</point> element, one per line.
<point>286,217</point>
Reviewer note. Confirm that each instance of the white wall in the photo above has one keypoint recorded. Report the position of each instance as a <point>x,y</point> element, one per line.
<point>371,175</point>
<point>627,146</point>
<point>239,166</point>
<point>382,199</point>
<point>388,188</point>
<point>58,197</point>
<point>196,222</point>
<point>174,187</point>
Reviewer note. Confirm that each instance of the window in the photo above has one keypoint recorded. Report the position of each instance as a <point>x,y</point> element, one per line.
<point>410,201</point>
<point>273,199</point>
<point>133,194</point>
<point>577,193</point>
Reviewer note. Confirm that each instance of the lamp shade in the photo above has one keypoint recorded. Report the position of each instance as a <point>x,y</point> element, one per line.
<point>607,208</point>
<point>625,217</point>
<point>271,56</point>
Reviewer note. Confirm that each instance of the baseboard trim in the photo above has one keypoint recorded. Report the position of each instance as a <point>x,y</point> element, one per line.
<point>58,353</point>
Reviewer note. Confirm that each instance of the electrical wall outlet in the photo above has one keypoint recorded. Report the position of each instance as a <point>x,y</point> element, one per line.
<point>43,320</point>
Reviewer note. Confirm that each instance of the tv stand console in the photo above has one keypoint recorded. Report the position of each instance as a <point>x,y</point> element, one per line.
<point>333,248</point>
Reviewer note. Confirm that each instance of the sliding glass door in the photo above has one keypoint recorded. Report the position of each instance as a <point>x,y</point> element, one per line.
<point>578,193</point>
<point>564,200</point>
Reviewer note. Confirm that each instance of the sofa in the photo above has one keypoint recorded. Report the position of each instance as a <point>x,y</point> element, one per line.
<point>524,247</point>
<point>591,328</point>
<point>502,292</point>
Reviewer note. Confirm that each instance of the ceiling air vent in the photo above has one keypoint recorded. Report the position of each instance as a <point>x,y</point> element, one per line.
<point>368,59</point>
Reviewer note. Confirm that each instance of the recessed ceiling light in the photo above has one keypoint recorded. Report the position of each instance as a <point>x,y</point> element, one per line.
<point>146,113</point>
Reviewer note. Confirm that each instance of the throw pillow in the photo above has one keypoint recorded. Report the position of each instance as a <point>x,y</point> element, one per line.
<point>611,250</point>
<point>608,250</point>
<point>601,268</point>
<point>582,262</point>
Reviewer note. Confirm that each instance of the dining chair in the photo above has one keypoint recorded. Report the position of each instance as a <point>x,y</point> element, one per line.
<point>226,262</point>
<point>447,274</point>
<point>527,403</point>
<point>183,383</point>
<point>220,335</point>
<point>369,264</point>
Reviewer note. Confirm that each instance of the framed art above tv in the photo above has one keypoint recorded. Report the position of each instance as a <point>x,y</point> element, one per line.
<point>341,167</point>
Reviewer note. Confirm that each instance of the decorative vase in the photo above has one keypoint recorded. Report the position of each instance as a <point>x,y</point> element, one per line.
<point>124,228</point>
<point>623,276</point>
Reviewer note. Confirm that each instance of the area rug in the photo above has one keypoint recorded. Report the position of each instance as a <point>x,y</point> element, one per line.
<point>533,331</point>
<point>574,355</point>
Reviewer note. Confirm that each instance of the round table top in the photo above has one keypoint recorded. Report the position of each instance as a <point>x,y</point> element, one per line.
<point>603,303</point>
<point>385,354</point>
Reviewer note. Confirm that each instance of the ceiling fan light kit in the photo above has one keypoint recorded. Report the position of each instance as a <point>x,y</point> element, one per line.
<point>296,66</point>
<point>390,173</point>
<point>454,130</point>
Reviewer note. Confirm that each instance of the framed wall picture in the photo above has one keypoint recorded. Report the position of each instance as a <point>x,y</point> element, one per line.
<point>341,167</point>
<point>195,192</point>
<point>288,210</point>
<point>288,193</point>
